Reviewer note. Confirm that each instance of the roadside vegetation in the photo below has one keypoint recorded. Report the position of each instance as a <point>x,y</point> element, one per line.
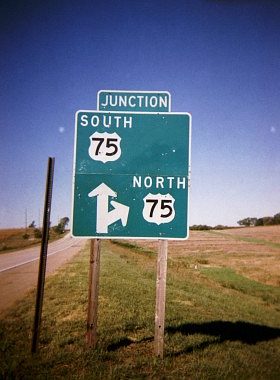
<point>246,222</point>
<point>220,323</point>
<point>205,227</point>
<point>264,221</point>
<point>12,239</point>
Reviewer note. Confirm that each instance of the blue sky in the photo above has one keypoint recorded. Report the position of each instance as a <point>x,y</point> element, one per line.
<point>219,59</point>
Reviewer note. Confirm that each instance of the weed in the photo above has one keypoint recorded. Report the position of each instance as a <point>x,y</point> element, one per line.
<point>134,247</point>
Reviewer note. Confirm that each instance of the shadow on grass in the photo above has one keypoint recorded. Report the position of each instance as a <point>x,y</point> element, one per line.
<point>244,332</point>
<point>125,342</point>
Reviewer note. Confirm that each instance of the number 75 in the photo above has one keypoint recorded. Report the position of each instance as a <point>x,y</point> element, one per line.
<point>159,208</point>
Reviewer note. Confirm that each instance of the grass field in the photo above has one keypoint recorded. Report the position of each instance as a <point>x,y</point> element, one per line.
<point>222,314</point>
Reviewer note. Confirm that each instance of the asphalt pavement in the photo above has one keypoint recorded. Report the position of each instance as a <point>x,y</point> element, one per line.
<point>19,269</point>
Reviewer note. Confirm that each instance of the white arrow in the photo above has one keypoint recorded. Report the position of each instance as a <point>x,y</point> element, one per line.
<point>105,218</point>
<point>120,212</point>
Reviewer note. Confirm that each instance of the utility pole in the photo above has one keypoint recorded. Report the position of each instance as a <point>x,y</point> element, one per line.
<point>26,220</point>
<point>39,219</point>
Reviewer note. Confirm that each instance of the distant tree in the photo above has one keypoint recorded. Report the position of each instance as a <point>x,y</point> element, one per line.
<point>64,222</point>
<point>276,218</point>
<point>259,222</point>
<point>200,227</point>
<point>244,222</point>
<point>247,222</point>
<point>254,221</point>
<point>60,228</point>
<point>32,224</point>
<point>220,227</point>
<point>268,221</point>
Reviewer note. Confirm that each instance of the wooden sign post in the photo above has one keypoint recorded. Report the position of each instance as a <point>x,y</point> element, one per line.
<point>160,297</point>
<point>94,269</point>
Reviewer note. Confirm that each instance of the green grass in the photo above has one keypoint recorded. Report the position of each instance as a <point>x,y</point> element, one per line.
<point>217,324</point>
<point>232,280</point>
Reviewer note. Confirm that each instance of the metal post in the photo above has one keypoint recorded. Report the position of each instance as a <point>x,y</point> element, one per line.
<point>160,297</point>
<point>43,255</point>
<point>94,270</point>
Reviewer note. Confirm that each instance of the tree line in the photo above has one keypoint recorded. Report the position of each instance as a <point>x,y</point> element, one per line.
<point>246,222</point>
<point>204,227</point>
<point>264,221</point>
<point>58,229</point>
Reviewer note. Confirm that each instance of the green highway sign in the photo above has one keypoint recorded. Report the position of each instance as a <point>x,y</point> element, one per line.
<point>131,173</point>
<point>134,101</point>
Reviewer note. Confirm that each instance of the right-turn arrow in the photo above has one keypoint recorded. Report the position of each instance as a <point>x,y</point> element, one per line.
<point>105,218</point>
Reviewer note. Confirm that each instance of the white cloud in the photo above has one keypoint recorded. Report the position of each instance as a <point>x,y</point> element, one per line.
<point>272,129</point>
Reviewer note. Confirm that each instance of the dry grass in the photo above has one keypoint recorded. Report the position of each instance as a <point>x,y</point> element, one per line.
<point>268,233</point>
<point>256,258</point>
<point>10,232</point>
<point>13,239</point>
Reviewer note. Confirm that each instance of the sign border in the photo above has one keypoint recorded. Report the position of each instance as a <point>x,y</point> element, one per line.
<point>188,174</point>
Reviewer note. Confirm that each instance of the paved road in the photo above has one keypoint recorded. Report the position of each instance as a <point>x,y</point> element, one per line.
<point>19,270</point>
